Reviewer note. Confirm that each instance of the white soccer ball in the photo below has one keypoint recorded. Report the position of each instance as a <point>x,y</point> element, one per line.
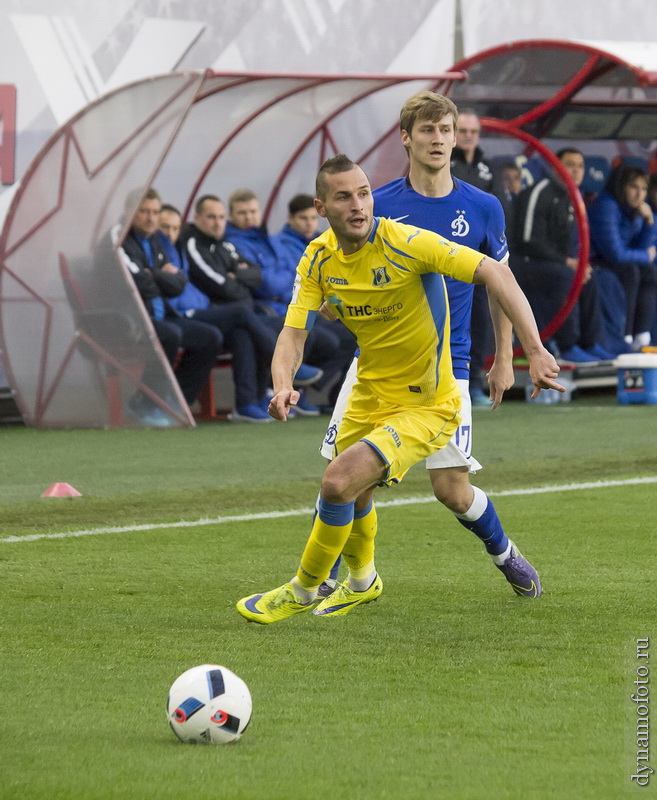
<point>209,705</point>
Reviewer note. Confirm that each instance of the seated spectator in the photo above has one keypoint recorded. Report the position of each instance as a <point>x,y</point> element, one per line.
<point>623,235</point>
<point>246,231</point>
<point>301,226</point>
<point>218,294</point>
<point>652,200</point>
<point>216,266</point>
<point>511,180</point>
<point>546,249</point>
<point>159,282</point>
<point>327,346</point>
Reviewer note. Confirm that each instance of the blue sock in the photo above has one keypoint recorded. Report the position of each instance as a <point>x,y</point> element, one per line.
<point>364,512</point>
<point>481,518</point>
<point>333,575</point>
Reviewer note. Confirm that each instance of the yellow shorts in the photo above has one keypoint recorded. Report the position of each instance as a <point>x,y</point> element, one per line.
<point>401,435</point>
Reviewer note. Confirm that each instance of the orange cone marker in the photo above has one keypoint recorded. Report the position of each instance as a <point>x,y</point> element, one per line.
<point>61,490</point>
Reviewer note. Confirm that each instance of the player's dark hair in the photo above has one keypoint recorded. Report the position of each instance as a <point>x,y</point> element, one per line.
<point>300,202</point>
<point>198,208</point>
<point>566,151</point>
<point>332,166</point>
<point>172,209</point>
<point>619,178</point>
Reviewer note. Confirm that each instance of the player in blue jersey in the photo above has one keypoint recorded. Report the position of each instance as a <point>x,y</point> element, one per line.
<point>432,198</point>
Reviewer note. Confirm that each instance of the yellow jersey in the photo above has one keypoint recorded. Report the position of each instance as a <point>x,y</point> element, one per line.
<point>391,295</point>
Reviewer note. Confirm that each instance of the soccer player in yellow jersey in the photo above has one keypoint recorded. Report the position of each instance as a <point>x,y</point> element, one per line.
<point>385,281</point>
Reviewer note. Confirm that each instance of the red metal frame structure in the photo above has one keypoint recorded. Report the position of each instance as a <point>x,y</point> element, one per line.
<point>528,90</point>
<point>184,133</point>
<point>198,132</point>
<point>73,190</point>
<point>357,88</point>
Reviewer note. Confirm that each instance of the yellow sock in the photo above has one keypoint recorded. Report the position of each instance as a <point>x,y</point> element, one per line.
<point>361,579</point>
<point>330,531</point>
<point>358,551</point>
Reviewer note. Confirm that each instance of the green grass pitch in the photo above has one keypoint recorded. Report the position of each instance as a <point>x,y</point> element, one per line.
<point>447,687</point>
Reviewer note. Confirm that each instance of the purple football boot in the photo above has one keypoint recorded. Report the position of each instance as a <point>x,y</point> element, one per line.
<point>520,574</point>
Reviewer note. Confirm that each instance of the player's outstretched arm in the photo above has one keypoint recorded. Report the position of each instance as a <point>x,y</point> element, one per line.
<point>500,376</point>
<point>502,285</point>
<point>288,356</point>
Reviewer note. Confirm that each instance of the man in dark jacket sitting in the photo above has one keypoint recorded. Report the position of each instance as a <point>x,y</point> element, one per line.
<point>545,246</point>
<point>223,280</point>
<point>158,282</point>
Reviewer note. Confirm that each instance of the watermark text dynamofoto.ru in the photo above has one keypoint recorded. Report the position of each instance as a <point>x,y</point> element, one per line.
<point>641,698</point>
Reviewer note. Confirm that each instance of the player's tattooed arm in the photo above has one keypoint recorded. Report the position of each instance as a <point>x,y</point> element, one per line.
<point>477,273</point>
<point>296,363</point>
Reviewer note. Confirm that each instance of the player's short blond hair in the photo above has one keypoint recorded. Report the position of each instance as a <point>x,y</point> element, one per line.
<point>426,106</point>
<point>241,196</point>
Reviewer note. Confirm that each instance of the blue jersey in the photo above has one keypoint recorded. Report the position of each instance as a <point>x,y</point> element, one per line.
<point>467,216</point>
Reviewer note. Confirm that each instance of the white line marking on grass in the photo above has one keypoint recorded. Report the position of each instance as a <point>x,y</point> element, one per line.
<point>300,512</point>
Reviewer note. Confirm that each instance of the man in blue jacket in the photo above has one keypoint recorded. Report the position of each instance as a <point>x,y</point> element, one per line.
<point>301,226</point>
<point>623,235</point>
<point>246,231</point>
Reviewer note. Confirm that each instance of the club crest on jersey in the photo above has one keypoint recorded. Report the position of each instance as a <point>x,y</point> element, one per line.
<point>380,276</point>
<point>460,226</point>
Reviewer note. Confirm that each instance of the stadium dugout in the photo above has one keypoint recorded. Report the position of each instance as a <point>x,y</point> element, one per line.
<point>598,96</point>
<point>202,132</point>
